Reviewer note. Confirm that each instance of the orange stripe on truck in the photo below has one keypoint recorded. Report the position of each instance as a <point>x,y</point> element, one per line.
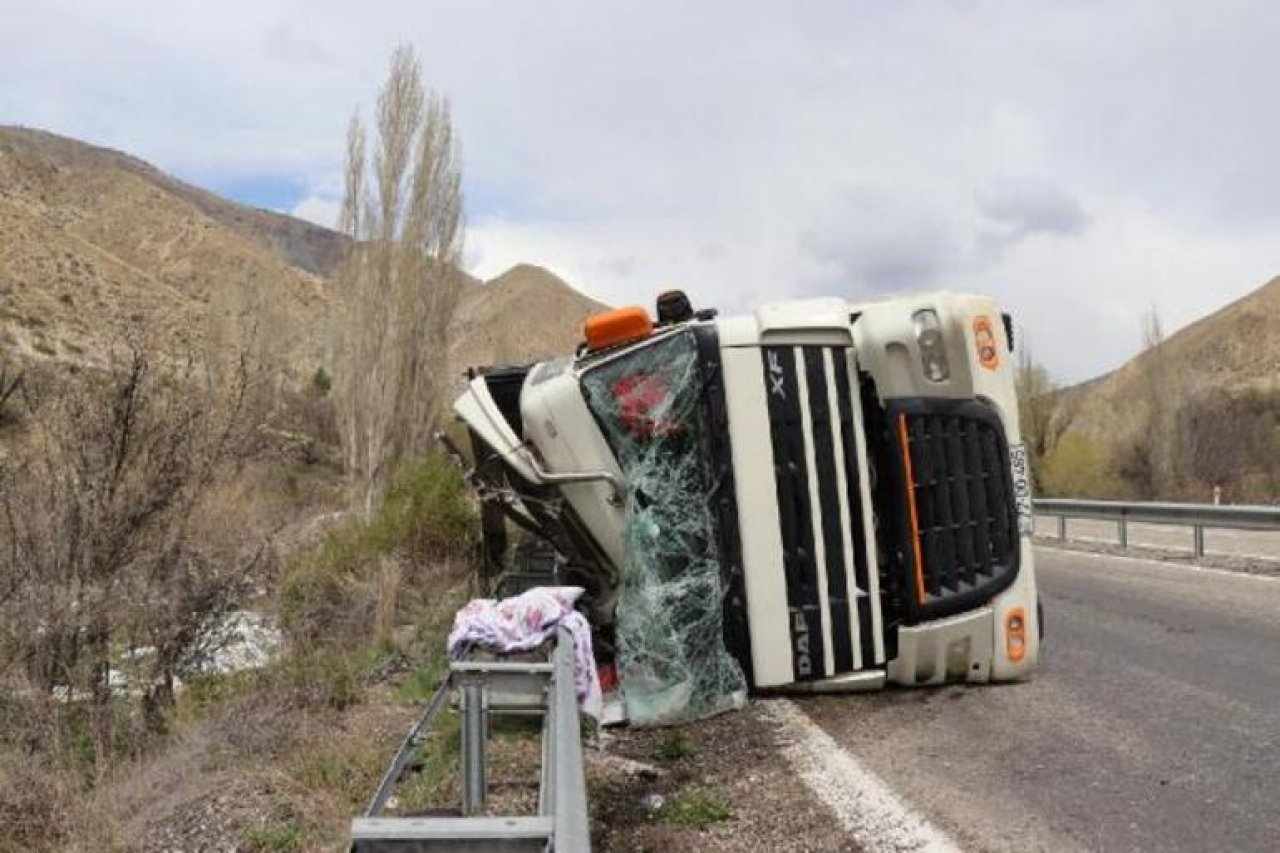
<point>911,507</point>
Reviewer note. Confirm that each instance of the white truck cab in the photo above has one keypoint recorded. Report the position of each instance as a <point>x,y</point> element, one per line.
<point>832,495</point>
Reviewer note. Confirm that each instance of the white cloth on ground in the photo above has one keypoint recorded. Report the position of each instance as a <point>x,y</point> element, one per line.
<point>525,622</point>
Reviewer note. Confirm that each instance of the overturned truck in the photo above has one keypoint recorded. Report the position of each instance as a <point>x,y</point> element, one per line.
<point>816,496</point>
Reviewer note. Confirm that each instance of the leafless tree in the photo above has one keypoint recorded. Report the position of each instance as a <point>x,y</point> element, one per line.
<point>1044,412</point>
<point>104,542</point>
<point>399,286</point>
<point>1147,461</point>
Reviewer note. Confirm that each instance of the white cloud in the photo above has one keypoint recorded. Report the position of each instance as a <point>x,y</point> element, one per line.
<point>318,209</point>
<point>1080,160</point>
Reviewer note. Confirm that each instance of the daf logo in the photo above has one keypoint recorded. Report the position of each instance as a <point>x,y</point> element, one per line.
<point>800,633</point>
<point>777,376</point>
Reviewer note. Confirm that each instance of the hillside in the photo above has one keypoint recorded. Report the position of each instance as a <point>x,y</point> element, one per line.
<point>95,244</point>
<point>1233,349</point>
<point>527,313</point>
<point>98,249</point>
<point>1201,408</point>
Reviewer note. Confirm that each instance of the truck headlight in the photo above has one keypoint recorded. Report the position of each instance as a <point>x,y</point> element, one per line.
<point>933,350</point>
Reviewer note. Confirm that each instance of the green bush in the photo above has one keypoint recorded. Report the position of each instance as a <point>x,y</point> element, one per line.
<point>321,383</point>
<point>205,695</point>
<point>342,595</point>
<point>1082,467</point>
<point>429,513</point>
<point>674,746</point>
<point>697,807</point>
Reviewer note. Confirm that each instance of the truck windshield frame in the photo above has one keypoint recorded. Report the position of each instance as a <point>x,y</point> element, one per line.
<point>650,405</point>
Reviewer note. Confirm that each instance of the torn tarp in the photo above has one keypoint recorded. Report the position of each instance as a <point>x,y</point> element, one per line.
<point>672,658</point>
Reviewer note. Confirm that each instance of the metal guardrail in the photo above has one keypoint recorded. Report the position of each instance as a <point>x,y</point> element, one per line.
<point>1196,516</point>
<point>484,688</point>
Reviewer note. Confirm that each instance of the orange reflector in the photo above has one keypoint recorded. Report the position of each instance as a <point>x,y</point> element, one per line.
<point>913,517</point>
<point>984,339</point>
<point>1015,634</point>
<point>619,326</point>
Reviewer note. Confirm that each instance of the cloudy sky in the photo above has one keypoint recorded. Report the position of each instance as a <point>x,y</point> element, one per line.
<point>1081,160</point>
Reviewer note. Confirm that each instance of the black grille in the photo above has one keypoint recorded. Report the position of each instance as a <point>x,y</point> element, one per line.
<point>958,514</point>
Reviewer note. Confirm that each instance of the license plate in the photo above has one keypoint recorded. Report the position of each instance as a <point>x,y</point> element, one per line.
<point>1021,486</point>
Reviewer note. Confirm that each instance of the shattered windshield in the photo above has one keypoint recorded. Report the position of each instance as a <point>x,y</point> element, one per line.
<point>672,658</point>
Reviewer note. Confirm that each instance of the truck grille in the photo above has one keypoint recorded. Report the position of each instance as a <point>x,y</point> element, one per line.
<point>962,526</point>
<point>832,591</point>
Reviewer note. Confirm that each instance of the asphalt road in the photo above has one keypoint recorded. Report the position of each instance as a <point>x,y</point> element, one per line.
<point>1153,723</point>
<point>1253,544</point>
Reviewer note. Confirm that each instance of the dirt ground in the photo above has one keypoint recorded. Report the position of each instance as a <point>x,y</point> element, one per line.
<point>257,780</point>
<point>718,784</point>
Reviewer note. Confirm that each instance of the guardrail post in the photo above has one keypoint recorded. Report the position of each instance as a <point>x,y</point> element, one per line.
<point>1062,528</point>
<point>1123,525</point>
<point>572,829</point>
<point>1199,541</point>
<point>484,688</point>
<point>474,735</point>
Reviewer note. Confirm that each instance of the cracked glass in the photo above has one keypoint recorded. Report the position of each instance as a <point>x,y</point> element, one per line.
<point>672,661</point>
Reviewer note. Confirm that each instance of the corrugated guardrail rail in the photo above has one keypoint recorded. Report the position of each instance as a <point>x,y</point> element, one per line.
<point>484,688</point>
<point>1195,516</point>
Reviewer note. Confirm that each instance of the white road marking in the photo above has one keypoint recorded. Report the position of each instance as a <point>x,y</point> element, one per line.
<point>866,807</point>
<point>1163,564</point>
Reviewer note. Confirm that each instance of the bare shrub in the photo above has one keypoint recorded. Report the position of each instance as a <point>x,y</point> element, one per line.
<point>1043,413</point>
<point>106,571</point>
<point>1232,439</point>
<point>1147,460</point>
<point>398,287</point>
<point>390,576</point>
<point>35,803</point>
<point>1137,462</point>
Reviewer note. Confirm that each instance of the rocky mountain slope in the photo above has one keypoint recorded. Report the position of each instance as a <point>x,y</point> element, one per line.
<point>95,245</point>
<point>1202,408</point>
<point>526,313</point>
<point>1237,348</point>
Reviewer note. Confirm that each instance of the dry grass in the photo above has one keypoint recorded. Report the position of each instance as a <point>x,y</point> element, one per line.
<point>280,759</point>
<point>37,803</point>
<point>335,592</point>
<point>273,760</point>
